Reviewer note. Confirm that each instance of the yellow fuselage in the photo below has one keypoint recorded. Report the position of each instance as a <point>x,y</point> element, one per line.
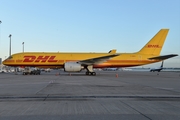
<point>57,60</point>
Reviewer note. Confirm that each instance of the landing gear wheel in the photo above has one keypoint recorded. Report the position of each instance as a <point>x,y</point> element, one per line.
<point>93,73</point>
<point>87,73</point>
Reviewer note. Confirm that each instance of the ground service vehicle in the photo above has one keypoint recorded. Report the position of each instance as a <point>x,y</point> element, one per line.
<point>31,71</point>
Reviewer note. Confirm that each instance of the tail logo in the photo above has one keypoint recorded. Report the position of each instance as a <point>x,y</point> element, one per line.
<point>153,46</point>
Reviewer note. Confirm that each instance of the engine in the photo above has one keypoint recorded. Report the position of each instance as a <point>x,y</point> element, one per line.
<point>72,67</point>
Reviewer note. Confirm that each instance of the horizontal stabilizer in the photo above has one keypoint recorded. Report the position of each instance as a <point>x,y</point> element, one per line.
<point>163,57</point>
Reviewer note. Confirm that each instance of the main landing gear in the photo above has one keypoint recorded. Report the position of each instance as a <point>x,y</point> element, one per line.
<point>91,73</point>
<point>90,70</point>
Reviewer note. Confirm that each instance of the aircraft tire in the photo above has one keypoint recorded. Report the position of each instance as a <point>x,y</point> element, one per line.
<point>87,73</point>
<point>93,73</point>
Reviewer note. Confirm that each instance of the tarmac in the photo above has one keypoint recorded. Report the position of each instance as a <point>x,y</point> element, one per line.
<point>110,95</point>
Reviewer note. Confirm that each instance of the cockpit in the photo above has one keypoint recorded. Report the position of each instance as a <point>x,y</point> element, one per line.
<point>7,60</point>
<point>10,57</point>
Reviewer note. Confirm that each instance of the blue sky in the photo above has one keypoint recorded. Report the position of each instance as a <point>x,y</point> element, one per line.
<point>88,25</point>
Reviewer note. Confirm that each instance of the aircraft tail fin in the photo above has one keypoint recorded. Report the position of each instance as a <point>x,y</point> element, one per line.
<point>154,46</point>
<point>162,64</point>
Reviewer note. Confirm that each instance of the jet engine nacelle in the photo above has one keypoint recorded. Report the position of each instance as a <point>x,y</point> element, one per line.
<point>72,67</point>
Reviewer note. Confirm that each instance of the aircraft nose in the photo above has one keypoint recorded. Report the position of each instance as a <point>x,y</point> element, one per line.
<point>4,62</point>
<point>8,61</point>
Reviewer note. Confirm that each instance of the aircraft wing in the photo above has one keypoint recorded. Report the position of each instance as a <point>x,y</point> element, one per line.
<point>163,57</point>
<point>97,60</point>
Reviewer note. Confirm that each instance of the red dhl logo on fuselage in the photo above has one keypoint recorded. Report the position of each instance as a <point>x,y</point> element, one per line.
<point>153,46</point>
<point>39,59</point>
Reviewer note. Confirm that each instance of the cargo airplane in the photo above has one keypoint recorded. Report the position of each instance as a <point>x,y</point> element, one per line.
<point>75,62</point>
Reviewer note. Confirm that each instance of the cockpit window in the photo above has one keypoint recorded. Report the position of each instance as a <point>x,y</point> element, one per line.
<point>10,57</point>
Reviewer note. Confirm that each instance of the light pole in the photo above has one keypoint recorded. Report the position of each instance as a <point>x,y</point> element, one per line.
<point>0,32</point>
<point>10,45</point>
<point>23,46</point>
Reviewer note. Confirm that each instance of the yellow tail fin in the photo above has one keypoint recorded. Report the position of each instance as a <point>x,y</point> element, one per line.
<point>154,46</point>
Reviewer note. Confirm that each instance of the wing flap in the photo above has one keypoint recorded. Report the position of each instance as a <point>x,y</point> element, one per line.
<point>97,60</point>
<point>163,57</point>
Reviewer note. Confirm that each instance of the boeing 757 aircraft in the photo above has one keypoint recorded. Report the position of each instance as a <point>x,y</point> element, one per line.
<point>75,62</point>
